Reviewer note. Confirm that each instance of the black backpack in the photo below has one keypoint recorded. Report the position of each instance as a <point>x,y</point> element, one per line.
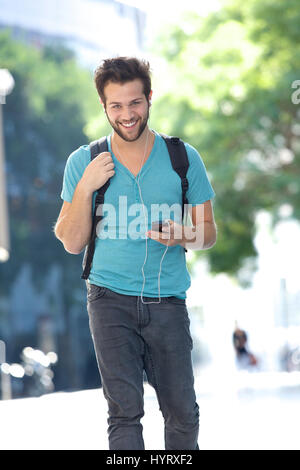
<point>180,164</point>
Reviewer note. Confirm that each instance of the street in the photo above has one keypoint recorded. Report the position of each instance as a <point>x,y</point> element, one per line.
<point>243,411</point>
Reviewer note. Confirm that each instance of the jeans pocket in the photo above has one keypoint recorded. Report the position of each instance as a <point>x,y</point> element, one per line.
<point>175,300</point>
<point>95,292</point>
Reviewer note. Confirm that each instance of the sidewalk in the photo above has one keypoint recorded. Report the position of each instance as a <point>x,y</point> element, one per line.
<point>255,411</point>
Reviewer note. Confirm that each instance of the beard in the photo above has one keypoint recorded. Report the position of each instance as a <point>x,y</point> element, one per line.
<point>142,122</point>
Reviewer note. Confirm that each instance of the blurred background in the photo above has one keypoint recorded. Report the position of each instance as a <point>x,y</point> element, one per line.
<point>226,78</point>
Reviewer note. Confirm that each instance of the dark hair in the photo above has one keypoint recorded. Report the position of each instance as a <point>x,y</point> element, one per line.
<point>122,70</point>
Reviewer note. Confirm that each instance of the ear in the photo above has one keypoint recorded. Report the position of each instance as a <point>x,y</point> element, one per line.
<point>150,97</point>
<point>103,105</point>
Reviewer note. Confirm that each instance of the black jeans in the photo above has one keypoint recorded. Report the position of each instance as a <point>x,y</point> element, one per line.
<point>130,337</point>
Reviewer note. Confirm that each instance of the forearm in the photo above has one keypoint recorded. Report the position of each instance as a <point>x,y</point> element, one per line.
<point>74,229</point>
<point>199,237</point>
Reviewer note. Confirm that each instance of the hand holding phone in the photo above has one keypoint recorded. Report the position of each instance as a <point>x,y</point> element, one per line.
<point>158,226</point>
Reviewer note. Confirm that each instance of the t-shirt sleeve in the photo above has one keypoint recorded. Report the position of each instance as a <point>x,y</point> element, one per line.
<point>74,169</point>
<point>200,188</point>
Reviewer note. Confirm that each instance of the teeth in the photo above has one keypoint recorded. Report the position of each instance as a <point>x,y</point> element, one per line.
<point>129,125</point>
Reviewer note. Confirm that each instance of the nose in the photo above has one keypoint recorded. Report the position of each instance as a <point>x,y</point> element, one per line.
<point>127,114</point>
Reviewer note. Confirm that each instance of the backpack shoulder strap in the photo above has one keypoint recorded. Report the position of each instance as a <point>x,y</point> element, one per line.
<point>96,147</point>
<point>180,164</point>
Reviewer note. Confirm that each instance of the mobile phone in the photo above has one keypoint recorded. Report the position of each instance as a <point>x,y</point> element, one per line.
<point>157,226</point>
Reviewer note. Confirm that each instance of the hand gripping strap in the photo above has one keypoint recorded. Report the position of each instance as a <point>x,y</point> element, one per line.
<point>96,147</point>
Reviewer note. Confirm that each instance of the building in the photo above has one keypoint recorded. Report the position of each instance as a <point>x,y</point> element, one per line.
<point>92,28</point>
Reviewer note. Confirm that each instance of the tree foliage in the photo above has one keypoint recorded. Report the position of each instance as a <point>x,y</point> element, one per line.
<point>228,92</point>
<point>44,121</point>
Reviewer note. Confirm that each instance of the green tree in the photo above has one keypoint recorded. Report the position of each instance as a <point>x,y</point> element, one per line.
<point>44,121</point>
<point>228,93</point>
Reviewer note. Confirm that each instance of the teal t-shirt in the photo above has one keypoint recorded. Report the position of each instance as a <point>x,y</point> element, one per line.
<point>120,246</point>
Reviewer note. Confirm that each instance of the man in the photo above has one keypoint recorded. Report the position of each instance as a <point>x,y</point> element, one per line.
<point>136,305</point>
<point>244,357</point>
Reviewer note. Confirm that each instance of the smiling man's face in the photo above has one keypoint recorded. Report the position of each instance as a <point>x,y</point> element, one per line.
<point>127,108</point>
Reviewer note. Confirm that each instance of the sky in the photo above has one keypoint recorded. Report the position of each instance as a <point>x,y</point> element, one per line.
<point>79,21</point>
<point>170,11</point>
<point>172,8</point>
